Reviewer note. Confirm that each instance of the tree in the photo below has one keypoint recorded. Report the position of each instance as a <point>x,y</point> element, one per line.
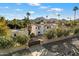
<point>14,21</point>
<point>5,34</point>
<point>26,21</point>
<point>4,30</point>
<point>58,16</point>
<point>75,10</point>
<point>28,14</point>
<point>29,23</point>
<point>46,17</point>
<point>2,18</point>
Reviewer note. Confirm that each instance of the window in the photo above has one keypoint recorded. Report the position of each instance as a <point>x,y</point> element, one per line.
<point>48,27</point>
<point>39,27</point>
<point>38,32</point>
<point>36,27</point>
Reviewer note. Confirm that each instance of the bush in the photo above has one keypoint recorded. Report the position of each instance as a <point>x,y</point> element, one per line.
<point>21,39</point>
<point>66,32</point>
<point>62,32</point>
<point>76,30</point>
<point>58,32</point>
<point>6,42</point>
<point>49,34</point>
<point>32,35</point>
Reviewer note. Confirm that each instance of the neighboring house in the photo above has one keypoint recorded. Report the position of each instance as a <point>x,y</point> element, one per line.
<point>39,29</point>
<point>20,32</point>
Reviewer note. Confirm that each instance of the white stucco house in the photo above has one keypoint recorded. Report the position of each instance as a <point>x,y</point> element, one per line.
<point>23,31</point>
<point>39,29</point>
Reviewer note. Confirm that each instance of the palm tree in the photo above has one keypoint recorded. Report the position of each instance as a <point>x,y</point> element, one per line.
<point>75,10</point>
<point>2,19</point>
<point>28,15</point>
<point>46,17</point>
<point>58,16</point>
<point>28,23</point>
<point>69,18</point>
<point>14,21</point>
<point>25,22</point>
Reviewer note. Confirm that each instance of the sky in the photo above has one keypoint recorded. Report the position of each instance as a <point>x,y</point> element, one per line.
<point>19,10</point>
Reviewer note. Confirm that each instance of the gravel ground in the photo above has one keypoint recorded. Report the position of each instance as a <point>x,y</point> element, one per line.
<point>67,48</point>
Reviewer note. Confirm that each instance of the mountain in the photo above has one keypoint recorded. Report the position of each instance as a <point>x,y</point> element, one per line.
<point>40,18</point>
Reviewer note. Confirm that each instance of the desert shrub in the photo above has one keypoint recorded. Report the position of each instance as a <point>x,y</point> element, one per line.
<point>66,32</point>
<point>21,39</point>
<point>59,32</point>
<point>6,42</point>
<point>49,34</point>
<point>76,30</point>
<point>32,35</point>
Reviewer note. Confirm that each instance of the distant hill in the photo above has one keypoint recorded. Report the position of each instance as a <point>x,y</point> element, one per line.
<point>40,18</point>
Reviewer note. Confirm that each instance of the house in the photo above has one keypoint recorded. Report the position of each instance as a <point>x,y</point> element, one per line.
<point>39,29</point>
<point>23,31</point>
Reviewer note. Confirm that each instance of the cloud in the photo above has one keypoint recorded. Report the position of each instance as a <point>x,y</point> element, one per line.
<point>56,9</point>
<point>34,4</point>
<point>32,12</point>
<point>43,7</point>
<point>18,9</point>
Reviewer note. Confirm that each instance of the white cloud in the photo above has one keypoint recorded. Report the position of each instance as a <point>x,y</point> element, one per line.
<point>34,4</point>
<point>56,9</point>
<point>43,7</point>
<point>18,9</point>
<point>32,12</point>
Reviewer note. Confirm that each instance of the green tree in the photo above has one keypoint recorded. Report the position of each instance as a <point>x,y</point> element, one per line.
<point>4,30</point>
<point>26,21</point>
<point>58,15</point>
<point>75,10</point>
<point>28,15</point>
<point>14,22</point>
<point>29,23</point>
